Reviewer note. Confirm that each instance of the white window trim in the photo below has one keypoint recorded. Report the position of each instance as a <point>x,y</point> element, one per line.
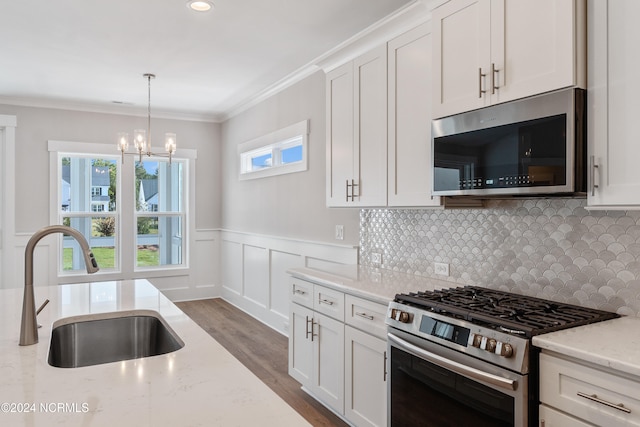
<point>127,270</point>
<point>274,142</point>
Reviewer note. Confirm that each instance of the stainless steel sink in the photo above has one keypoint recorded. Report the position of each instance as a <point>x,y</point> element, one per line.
<point>112,337</point>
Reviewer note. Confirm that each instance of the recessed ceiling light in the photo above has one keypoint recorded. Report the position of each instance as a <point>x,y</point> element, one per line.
<point>200,5</point>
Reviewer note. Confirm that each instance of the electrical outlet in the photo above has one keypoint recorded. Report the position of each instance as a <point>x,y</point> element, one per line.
<point>441,268</point>
<point>376,258</point>
<point>339,232</point>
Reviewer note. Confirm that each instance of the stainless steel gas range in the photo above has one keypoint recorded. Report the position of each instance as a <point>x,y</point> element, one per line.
<point>463,356</point>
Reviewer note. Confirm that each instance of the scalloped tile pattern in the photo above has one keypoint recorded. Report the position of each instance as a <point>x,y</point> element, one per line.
<point>548,248</point>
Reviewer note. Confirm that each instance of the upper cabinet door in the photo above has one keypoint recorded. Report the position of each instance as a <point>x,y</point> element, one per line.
<point>370,107</point>
<point>613,106</point>
<point>461,50</point>
<point>491,51</point>
<point>357,131</point>
<point>339,134</point>
<point>409,126</point>
<point>534,47</point>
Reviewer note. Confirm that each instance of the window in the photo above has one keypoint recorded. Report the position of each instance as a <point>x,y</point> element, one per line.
<point>280,152</point>
<point>159,213</point>
<point>95,215</point>
<point>134,215</point>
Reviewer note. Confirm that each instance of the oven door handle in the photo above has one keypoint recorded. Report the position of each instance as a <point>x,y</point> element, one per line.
<point>456,367</point>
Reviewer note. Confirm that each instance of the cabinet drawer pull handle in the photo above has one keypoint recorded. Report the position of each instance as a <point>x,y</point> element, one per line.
<point>364,315</point>
<point>480,76</point>
<point>595,398</point>
<point>325,301</point>
<point>299,292</point>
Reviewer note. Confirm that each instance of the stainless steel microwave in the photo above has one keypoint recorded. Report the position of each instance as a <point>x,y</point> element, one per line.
<point>532,146</point>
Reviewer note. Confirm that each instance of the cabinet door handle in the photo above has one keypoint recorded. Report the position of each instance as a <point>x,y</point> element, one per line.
<point>347,189</point>
<point>480,76</point>
<point>325,301</point>
<point>306,335</point>
<point>594,167</point>
<point>364,315</point>
<point>353,186</point>
<point>595,398</point>
<point>299,292</point>
<point>494,70</point>
<point>313,334</point>
<point>384,376</point>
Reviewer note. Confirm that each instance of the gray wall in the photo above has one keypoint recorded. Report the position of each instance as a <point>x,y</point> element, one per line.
<point>38,125</point>
<point>291,205</point>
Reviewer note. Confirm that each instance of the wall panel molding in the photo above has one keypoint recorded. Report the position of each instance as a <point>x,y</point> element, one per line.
<point>254,271</point>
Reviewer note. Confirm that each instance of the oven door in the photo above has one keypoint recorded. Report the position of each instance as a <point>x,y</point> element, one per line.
<point>431,385</point>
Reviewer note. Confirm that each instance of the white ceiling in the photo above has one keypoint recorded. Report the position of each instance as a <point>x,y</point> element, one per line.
<point>91,53</point>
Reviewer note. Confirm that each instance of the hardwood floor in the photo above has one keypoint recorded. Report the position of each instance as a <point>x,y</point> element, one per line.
<point>261,349</point>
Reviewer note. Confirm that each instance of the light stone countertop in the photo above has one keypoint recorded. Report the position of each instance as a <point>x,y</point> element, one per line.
<point>612,344</point>
<point>199,385</point>
<point>375,284</point>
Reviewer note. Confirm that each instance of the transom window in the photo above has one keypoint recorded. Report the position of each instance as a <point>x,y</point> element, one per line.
<point>279,152</point>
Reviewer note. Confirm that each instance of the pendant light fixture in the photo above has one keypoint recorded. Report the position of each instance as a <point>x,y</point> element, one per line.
<point>142,137</point>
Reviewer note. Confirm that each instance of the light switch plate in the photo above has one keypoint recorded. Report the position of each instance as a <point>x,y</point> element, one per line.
<point>339,232</point>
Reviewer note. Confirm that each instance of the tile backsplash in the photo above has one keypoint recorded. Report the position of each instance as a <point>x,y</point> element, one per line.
<point>549,248</point>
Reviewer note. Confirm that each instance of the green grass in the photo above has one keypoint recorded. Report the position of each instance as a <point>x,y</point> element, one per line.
<point>106,260</point>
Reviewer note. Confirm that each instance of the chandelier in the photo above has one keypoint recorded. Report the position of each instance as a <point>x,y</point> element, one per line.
<point>142,137</point>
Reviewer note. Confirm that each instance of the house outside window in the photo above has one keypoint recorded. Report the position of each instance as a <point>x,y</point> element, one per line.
<point>133,215</point>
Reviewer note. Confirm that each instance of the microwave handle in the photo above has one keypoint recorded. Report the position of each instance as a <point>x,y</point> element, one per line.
<point>456,367</point>
<point>593,168</point>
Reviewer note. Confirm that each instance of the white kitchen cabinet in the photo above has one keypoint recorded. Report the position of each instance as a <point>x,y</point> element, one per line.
<point>586,394</point>
<point>409,120</point>
<point>491,51</point>
<point>550,417</point>
<point>613,108</point>
<point>337,351</point>
<point>300,344</point>
<point>316,349</point>
<point>357,131</point>
<point>365,378</point>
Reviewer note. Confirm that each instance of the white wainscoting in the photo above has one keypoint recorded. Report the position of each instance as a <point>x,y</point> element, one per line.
<point>254,271</point>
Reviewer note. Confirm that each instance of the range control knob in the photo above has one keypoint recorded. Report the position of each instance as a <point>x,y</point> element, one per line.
<point>504,350</point>
<point>491,345</point>
<point>476,340</point>
<point>400,316</point>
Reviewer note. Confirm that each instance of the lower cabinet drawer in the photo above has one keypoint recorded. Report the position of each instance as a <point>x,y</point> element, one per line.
<point>366,315</point>
<point>302,293</point>
<point>597,396</point>
<point>328,301</point>
<point>549,417</point>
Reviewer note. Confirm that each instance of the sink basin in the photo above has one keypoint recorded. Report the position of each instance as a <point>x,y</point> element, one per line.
<point>110,337</point>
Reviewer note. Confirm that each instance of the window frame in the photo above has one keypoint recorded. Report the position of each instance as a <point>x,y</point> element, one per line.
<point>275,143</point>
<point>126,238</point>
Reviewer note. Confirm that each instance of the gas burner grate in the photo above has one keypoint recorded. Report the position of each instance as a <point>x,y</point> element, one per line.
<point>521,314</point>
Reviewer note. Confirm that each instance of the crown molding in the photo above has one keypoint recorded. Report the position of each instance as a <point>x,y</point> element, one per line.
<point>399,22</point>
<point>122,109</point>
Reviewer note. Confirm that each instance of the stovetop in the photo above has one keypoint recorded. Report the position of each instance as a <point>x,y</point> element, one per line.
<point>512,313</point>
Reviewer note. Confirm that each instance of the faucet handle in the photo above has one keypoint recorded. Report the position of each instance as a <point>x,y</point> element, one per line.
<point>42,306</point>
